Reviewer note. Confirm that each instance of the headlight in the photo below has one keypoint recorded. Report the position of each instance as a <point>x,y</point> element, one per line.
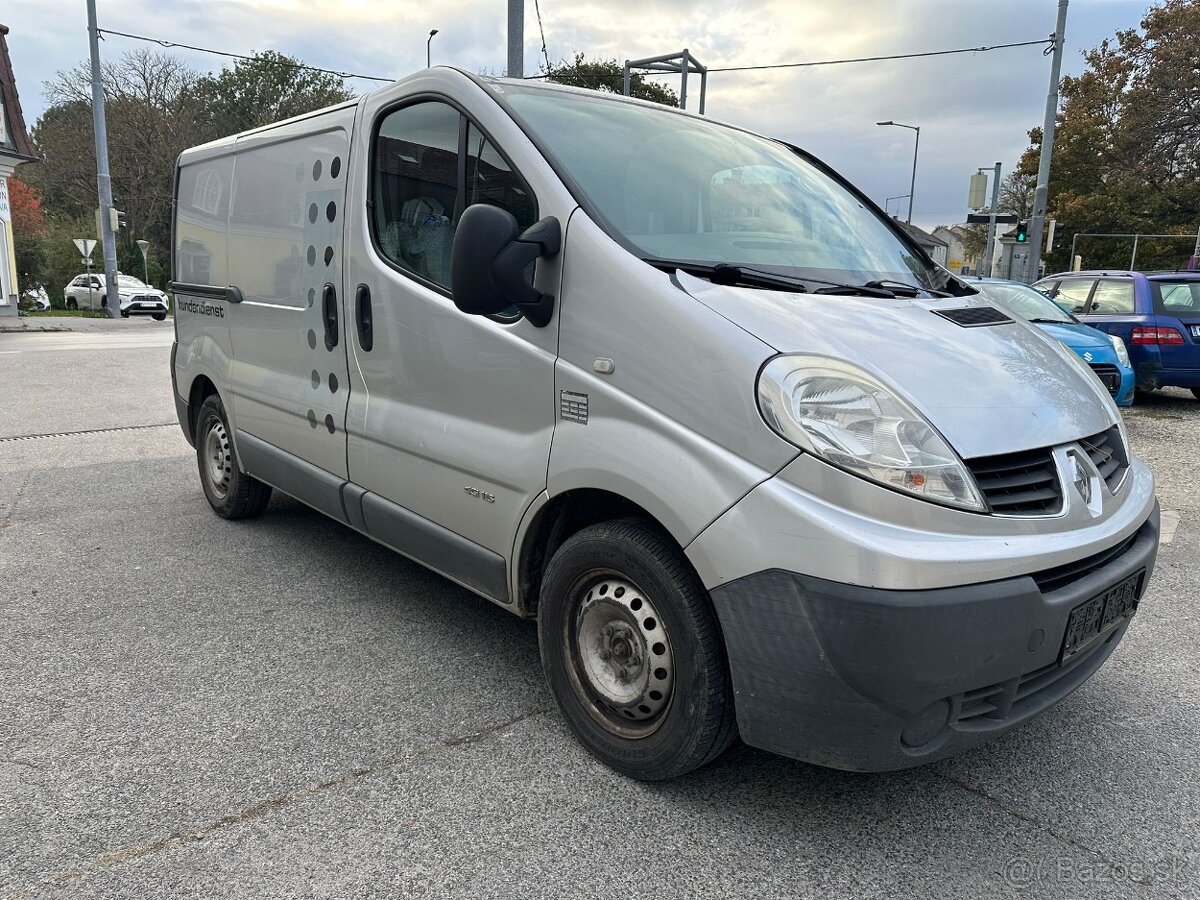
<point>1119,346</point>
<point>848,418</point>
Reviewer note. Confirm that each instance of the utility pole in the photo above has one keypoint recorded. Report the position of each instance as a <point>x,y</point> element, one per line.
<point>1037,223</point>
<point>991,238</point>
<point>103,182</point>
<point>516,39</point>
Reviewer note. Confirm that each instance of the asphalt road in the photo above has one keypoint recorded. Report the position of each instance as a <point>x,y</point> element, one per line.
<point>281,708</point>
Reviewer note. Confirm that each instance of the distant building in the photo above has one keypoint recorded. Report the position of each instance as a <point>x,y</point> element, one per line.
<point>956,257</point>
<point>15,148</point>
<point>934,246</point>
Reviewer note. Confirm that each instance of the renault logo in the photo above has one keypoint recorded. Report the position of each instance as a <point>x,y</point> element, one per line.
<point>1083,483</point>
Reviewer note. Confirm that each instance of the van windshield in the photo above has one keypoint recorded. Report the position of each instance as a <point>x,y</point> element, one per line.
<point>677,188</point>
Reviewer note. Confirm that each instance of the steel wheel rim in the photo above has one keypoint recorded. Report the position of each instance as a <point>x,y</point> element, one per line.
<point>621,654</point>
<point>218,459</point>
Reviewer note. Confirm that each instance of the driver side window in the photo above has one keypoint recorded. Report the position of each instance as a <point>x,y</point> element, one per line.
<point>416,188</point>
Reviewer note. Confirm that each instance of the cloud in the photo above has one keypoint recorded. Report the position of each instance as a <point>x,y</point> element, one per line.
<point>973,109</point>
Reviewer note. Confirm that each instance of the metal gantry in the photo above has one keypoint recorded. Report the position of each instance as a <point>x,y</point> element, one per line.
<point>681,63</point>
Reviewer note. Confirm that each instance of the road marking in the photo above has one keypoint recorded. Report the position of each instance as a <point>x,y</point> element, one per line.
<point>1168,522</point>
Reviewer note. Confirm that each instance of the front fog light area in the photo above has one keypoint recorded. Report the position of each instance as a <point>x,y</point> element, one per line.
<point>847,417</point>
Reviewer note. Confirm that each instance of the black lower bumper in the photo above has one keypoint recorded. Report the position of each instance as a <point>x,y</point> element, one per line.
<point>867,679</point>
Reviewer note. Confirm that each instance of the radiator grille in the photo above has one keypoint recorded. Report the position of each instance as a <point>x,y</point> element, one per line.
<point>1018,484</point>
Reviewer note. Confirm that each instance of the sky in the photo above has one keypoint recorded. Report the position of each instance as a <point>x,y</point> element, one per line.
<point>973,109</point>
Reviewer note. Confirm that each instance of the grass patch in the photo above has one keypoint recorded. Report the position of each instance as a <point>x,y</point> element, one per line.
<point>66,313</point>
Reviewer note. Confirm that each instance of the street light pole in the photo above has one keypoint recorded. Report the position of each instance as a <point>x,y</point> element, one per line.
<point>912,191</point>
<point>428,60</point>
<point>1038,221</point>
<point>108,241</point>
<point>991,235</point>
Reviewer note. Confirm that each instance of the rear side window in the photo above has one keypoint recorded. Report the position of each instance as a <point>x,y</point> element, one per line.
<point>1112,297</point>
<point>1174,298</point>
<point>1072,293</point>
<point>416,188</point>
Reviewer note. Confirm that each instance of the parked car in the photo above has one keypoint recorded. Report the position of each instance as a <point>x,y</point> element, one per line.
<point>1105,354</point>
<point>137,297</point>
<point>751,458</point>
<point>35,298</point>
<point>1157,315</point>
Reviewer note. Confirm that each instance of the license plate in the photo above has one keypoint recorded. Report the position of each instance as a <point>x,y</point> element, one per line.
<point>1098,616</point>
<point>1196,331</point>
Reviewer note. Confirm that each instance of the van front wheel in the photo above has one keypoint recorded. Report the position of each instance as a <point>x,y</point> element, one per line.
<point>633,652</point>
<point>231,492</point>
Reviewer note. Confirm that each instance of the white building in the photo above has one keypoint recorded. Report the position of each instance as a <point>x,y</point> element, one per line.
<point>15,148</point>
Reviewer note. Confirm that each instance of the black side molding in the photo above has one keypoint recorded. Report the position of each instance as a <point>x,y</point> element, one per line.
<point>229,293</point>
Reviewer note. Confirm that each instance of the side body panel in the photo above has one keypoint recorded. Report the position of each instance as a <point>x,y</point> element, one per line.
<point>288,379</point>
<point>675,427</point>
<point>202,191</point>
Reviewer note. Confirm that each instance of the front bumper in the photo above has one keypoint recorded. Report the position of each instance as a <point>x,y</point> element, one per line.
<point>869,679</point>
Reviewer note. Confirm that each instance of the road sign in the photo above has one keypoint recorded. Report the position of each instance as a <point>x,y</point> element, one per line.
<point>85,245</point>
<point>984,218</point>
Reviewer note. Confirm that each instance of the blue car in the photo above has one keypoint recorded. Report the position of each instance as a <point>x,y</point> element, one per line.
<point>1105,353</point>
<point>1157,315</point>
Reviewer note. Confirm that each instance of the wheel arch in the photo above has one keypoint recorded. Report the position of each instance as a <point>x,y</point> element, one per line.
<point>557,519</point>
<point>201,389</point>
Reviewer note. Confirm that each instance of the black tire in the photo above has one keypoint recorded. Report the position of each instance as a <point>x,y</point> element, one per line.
<point>234,494</point>
<point>695,721</point>
<point>72,303</point>
<point>124,315</point>
<point>160,317</point>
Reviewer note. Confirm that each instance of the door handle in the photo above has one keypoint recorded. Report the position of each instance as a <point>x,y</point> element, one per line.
<point>362,315</point>
<point>330,315</point>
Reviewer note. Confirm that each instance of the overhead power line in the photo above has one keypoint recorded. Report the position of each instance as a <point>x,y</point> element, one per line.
<point>860,59</point>
<point>1049,41</point>
<point>542,31</point>
<point>1046,42</point>
<point>176,44</point>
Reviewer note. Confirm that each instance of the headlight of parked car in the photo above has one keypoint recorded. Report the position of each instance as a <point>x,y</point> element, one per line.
<point>1119,346</point>
<point>849,418</point>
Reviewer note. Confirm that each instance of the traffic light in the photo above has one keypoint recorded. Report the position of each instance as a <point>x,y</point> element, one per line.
<point>1060,236</point>
<point>1022,232</point>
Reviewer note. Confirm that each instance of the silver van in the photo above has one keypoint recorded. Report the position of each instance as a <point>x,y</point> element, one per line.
<point>753,461</point>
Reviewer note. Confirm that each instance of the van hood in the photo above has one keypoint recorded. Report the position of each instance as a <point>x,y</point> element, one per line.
<point>988,390</point>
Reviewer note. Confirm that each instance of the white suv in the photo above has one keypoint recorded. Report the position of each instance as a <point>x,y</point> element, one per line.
<point>137,297</point>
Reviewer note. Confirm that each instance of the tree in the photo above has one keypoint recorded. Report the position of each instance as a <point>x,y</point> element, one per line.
<point>1127,152</point>
<point>265,88</point>
<point>1016,193</point>
<point>156,108</point>
<point>29,228</point>
<point>609,75</point>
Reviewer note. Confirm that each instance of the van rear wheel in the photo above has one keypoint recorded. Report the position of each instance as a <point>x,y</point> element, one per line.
<point>633,652</point>
<point>72,303</point>
<point>231,492</point>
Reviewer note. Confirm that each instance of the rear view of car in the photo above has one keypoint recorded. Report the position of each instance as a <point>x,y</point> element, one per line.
<point>1157,316</point>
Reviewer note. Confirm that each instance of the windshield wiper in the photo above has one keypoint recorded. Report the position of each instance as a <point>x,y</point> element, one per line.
<point>891,284</point>
<point>1049,321</point>
<point>726,274</point>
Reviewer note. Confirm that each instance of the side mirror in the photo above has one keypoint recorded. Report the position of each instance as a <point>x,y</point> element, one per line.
<point>488,262</point>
